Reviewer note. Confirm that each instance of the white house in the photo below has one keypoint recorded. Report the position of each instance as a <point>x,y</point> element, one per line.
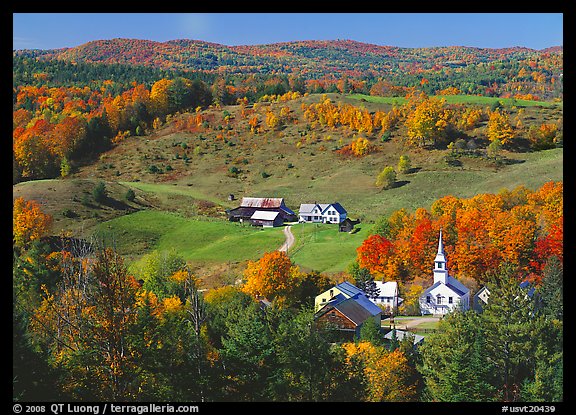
<point>388,296</point>
<point>447,293</point>
<point>322,213</point>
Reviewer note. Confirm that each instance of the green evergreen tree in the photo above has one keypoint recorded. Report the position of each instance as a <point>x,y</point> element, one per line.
<point>551,290</point>
<point>455,364</point>
<point>510,329</point>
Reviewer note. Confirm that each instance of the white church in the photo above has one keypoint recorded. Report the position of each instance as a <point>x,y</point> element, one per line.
<point>447,293</point>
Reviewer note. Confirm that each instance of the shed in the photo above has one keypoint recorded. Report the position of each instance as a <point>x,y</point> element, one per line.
<point>266,219</point>
<point>347,225</point>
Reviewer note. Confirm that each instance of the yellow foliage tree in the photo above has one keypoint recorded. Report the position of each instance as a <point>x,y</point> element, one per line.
<point>428,119</point>
<point>387,373</point>
<point>499,127</point>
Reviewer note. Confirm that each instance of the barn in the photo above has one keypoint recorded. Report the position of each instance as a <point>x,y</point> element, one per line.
<point>249,206</point>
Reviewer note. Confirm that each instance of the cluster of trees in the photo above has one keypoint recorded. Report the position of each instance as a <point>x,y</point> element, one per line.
<point>86,329</point>
<point>521,227</point>
<point>55,127</point>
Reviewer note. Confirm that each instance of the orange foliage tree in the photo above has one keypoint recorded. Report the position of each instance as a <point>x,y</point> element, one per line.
<point>272,276</point>
<point>29,222</point>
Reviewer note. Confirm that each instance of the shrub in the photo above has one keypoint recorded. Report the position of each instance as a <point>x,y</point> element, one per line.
<point>68,213</point>
<point>386,178</point>
<point>99,193</point>
<point>404,165</point>
<point>130,195</point>
<point>153,169</point>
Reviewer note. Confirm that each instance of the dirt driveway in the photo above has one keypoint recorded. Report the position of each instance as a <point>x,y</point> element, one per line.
<point>289,239</point>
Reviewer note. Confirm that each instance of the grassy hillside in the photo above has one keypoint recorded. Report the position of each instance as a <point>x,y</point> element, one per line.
<point>180,203</point>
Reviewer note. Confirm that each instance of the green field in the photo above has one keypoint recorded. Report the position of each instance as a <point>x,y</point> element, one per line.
<point>322,248</point>
<point>458,99</point>
<point>195,240</point>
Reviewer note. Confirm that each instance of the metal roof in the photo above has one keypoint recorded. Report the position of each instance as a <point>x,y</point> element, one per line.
<point>264,215</point>
<point>262,202</point>
<point>349,289</point>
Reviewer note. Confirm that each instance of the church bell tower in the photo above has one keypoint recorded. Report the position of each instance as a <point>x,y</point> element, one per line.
<point>440,271</point>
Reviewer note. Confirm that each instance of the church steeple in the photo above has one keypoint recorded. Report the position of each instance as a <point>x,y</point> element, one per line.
<point>440,271</point>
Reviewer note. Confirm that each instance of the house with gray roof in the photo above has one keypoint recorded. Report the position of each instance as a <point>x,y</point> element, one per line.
<point>446,293</point>
<point>321,213</point>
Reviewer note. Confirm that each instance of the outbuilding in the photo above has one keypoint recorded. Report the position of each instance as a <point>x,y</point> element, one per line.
<point>266,219</point>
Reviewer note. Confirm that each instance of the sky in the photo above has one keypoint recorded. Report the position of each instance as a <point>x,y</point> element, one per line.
<point>485,30</point>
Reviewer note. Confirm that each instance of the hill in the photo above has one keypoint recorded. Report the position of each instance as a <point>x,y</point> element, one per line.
<point>473,70</point>
<point>183,174</point>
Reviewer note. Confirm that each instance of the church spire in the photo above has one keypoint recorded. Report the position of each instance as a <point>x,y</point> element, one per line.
<point>440,244</point>
<point>440,270</point>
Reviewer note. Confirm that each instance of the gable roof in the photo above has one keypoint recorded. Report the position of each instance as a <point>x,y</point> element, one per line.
<point>309,207</point>
<point>337,206</point>
<point>349,289</point>
<point>264,215</point>
<point>457,288</point>
<point>357,309</point>
<point>306,208</point>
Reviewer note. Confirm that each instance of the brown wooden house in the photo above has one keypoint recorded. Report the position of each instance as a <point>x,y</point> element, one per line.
<point>348,314</point>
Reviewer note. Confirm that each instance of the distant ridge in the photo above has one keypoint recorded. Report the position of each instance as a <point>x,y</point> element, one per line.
<point>311,58</point>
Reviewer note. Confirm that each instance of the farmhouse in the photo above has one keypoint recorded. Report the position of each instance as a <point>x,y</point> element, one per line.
<point>388,298</point>
<point>249,206</point>
<point>321,213</point>
<point>447,293</point>
<point>348,314</point>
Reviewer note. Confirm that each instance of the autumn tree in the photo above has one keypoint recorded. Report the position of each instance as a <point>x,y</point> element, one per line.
<point>427,121</point>
<point>376,254</point>
<point>404,165</point>
<point>273,276</point>
<point>85,325</point>
<point>387,373</point>
<point>499,127</point>
<point>29,223</point>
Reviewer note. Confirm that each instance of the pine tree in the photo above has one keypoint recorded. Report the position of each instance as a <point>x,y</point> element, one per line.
<point>551,290</point>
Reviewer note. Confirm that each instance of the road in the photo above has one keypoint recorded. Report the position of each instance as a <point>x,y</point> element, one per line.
<point>289,239</point>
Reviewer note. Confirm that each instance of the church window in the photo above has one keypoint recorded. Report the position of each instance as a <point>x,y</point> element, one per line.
<point>428,299</point>
<point>450,300</point>
<point>438,299</point>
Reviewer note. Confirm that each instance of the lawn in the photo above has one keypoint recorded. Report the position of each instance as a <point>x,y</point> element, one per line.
<point>322,248</point>
<point>195,240</point>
